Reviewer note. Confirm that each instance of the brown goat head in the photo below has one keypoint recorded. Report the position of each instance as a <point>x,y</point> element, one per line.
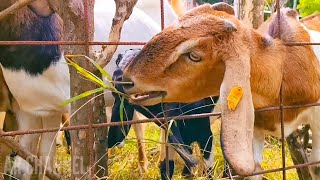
<point>208,53</point>
<point>189,50</point>
<point>205,54</point>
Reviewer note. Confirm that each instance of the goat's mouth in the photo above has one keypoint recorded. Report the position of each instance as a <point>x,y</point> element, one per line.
<point>148,98</point>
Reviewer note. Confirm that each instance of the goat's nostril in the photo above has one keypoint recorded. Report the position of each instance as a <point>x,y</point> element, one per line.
<point>127,83</point>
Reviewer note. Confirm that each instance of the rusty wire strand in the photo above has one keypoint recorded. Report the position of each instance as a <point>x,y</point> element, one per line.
<point>91,43</point>
<point>80,43</point>
<point>281,169</point>
<point>165,116</point>
<point>91,126</point>
<point>301,43</point>
<point>283,150</point>
<point>178,118</point>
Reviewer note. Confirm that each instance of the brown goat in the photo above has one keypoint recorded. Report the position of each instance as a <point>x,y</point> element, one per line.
<point>209,52</point>
<point>312,21</point>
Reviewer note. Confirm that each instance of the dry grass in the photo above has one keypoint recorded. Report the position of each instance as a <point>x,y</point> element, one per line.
<point>123,162</point>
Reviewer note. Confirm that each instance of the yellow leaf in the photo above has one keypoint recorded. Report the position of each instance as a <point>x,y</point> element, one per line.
<point>234,97</point>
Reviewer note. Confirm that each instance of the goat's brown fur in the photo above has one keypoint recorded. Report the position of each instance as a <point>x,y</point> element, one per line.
<point>312,21</point>
<point>161,66</point>
<point>270,60</point>
<point>22,20</point>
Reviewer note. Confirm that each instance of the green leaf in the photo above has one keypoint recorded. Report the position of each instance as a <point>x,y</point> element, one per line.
<point>83,95</point>
<point>87,74</point>
<point>121,108</point>
<point>101,70</point>
<point>92,77</point>
<point>308,7</point>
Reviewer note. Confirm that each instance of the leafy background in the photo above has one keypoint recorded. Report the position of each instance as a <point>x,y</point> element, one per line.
<point>305,7</point>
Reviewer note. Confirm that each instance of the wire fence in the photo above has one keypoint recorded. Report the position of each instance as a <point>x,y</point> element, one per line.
<point>90,126</point>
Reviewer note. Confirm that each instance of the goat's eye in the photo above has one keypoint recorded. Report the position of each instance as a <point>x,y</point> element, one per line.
<point>194,57</point>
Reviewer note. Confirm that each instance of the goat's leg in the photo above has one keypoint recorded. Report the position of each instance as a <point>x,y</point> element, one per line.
<point>108,113</point>
<point>21,168</point>
<point>3,149</point>
<point>9,125</point>
<point>139,130</point>
<point>2,117</point>
<point>258,144</point>
<point>181,147</point>
<point>47,146</point>
<point>315,153</point>
<point>162,158</point>
<point>4,152</point>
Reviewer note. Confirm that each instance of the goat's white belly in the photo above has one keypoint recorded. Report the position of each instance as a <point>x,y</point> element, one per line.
<point>310,114</point>
<point>315,38</point>
<point>41,94</point>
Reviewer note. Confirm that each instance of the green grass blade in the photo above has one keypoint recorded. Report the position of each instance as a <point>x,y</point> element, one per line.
<point>121,108</point>
<point>86,73</point>
<point>83,95</point>
<point>101,70</point>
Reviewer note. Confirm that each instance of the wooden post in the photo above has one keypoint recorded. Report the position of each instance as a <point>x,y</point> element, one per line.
<point>72,13</point>
<point>250,12</point>
<point>26,155</point>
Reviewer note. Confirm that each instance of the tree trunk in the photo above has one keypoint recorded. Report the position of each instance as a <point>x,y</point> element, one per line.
<point>283,3</point>
<point>251,12</point>
<point>76,29</point>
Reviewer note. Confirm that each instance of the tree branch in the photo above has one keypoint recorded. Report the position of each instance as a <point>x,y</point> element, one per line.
<point>26,155</point>
<point>124,9</point>
<point>14,7</point>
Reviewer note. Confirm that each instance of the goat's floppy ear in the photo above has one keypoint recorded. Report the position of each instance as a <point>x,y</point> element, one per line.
<point>237,124</point>
<point>222,6</point>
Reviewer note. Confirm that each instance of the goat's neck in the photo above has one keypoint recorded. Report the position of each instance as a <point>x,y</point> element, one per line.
<point>296,67</point>
<point>266,71</point>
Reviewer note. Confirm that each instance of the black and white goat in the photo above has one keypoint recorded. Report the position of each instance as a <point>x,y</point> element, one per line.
<point>37,76</point>
<point>183,133</point>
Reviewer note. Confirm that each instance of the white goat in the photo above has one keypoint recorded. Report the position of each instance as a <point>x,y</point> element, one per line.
<point>142,25</point>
